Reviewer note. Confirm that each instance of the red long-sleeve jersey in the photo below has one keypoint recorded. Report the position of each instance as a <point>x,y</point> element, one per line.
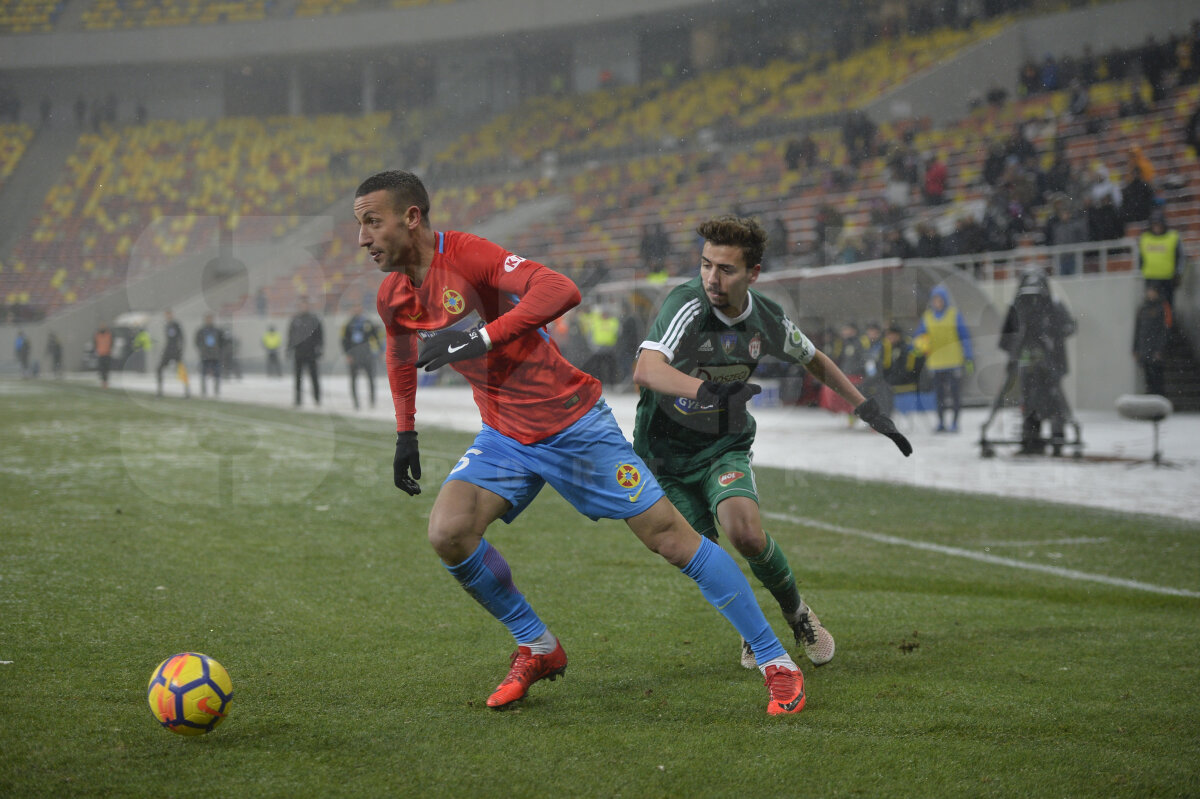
<point>523,386</point>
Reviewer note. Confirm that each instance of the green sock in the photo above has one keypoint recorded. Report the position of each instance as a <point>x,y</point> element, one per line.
<point>772,570</point>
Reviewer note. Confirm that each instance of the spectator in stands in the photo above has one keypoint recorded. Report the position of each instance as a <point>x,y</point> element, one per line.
<point>800,151</point>
<point>967,238</point>
<point>1086,66</point>
<point>929,241</point>
<point>1065,226</point>
<point>946,342</point>
<point>1137,196</point>
<point>897,190</point>
<point>1151,328</point>
<point>896,244</point>
<point>1133,104</point>
<point>850,247</point>
<point>1029,79</point>
<point>1079,100</point>
<point>1004,218</point>
<point>208,345</point>
<point>1156,60</point>
<point>655,247</point>
<point>1048,75</point>
<point>1103,186</point>
<point>933,187</point>
<point>1060,177</point>
<point>1191,132</point>
<point>102,344</point>
<point>994,164</point>
<point>858,134</point>
<point>305,345</point>
<point>1103,217</point>
<point>1189,56</point>
<point>827,229</point>
<point>1160,250</point>
<point>1018,145</point>
<point>778,244</point>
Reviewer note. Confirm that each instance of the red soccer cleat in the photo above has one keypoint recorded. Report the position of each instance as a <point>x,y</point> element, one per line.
<point>527,668</point>
<point>787,690</point>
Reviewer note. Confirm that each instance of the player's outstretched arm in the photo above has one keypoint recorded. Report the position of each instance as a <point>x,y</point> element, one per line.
<point>825,370</point>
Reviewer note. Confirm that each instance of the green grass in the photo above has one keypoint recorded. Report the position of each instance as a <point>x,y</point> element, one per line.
<point>134,528</point>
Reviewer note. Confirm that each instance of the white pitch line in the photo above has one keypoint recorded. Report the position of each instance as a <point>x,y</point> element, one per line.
<point>984,557</point>
<point>1048,542</point>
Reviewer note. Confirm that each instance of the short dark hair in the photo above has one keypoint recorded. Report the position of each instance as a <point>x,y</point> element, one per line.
<point>405,187</point>
<point>737,231</point>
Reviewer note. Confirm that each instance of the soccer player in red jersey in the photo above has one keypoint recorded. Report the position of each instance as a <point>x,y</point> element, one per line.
<point>451,298</point>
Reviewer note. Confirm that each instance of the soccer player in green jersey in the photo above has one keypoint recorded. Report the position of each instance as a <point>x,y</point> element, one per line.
<point>692,427</point>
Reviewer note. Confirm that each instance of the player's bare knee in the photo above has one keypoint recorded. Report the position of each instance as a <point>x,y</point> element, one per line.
<point>748,540</point>
<point>453,545</point>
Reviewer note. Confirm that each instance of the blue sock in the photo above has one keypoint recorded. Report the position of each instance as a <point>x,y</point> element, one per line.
<point>486,577</point>
<point>723,585</point>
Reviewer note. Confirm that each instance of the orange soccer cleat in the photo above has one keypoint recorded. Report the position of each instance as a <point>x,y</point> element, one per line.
<point>787,690</point>
<point>527,668</point>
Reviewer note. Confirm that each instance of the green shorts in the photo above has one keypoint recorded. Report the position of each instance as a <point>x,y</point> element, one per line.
<point>696,494</point>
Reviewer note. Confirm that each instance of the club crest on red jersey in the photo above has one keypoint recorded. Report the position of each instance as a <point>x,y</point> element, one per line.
<point>628,475</point>
<point>453,302</point>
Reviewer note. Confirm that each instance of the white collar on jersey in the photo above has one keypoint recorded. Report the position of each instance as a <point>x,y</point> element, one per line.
<point>731,321</point>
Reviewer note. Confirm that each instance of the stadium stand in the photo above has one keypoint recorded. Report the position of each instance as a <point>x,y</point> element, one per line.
<point>116,14</point>
<point>29,16</point>
<point>14,138</point>
<point>165,178</point>
<point>637,118</point>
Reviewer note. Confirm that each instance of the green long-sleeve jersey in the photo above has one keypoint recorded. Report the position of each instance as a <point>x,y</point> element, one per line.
<point>677,434</point>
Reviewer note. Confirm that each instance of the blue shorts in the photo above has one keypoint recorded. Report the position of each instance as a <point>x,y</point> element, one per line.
<point>590,464</point>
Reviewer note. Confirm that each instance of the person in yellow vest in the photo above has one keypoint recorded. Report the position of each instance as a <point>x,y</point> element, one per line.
<point>1161,252</point>
<point>602,328</point>
<point>947,344</point>
<point>140,351</point>
<point>272,341</point>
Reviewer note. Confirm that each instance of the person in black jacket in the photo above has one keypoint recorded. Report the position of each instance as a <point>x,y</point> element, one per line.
<point>305,344</point>
<point>1034,335</point>
<point>209,340</point>
<point>1150,330</point>
<point>360,343</point>
<point>172,354</point>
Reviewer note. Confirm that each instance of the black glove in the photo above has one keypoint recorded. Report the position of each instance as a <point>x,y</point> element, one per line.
<point>450,346</point>
<point>407,460</point>
<point>730,397</point>
<point>725,395</point>
<point>882,423</point>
